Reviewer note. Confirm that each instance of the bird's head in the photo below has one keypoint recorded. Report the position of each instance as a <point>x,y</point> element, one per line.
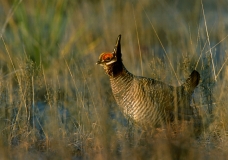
<point>111,61</point>
<point>107,58</point>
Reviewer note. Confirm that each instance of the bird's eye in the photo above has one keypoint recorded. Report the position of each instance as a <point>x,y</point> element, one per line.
<point>107,57</point>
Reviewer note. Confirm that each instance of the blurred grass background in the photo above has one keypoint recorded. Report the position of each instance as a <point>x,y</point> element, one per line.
<point>55,103</point>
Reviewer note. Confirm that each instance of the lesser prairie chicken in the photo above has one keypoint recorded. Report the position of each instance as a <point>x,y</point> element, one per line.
<point>146,101</point>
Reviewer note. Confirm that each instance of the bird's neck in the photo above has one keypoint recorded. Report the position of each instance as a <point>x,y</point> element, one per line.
<point>123,77</point>
<point>121,83</point>
<point>114,69</point>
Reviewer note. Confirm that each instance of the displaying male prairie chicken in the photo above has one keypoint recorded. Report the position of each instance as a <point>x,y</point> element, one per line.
<point>146,101</point>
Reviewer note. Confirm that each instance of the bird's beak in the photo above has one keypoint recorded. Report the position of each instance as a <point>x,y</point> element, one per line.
<point>98,62</point>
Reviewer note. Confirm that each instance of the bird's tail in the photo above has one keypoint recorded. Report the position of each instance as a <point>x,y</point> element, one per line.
<point>192,81</point>
<point>184,94</point>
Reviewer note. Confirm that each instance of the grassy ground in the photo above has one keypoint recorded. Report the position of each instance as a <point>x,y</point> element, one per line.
<point>55,103</point>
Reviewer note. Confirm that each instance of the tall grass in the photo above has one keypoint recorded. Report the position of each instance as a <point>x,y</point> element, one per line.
<point>56,103</point>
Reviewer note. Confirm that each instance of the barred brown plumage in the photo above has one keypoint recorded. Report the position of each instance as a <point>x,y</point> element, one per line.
<point>146,101</point>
